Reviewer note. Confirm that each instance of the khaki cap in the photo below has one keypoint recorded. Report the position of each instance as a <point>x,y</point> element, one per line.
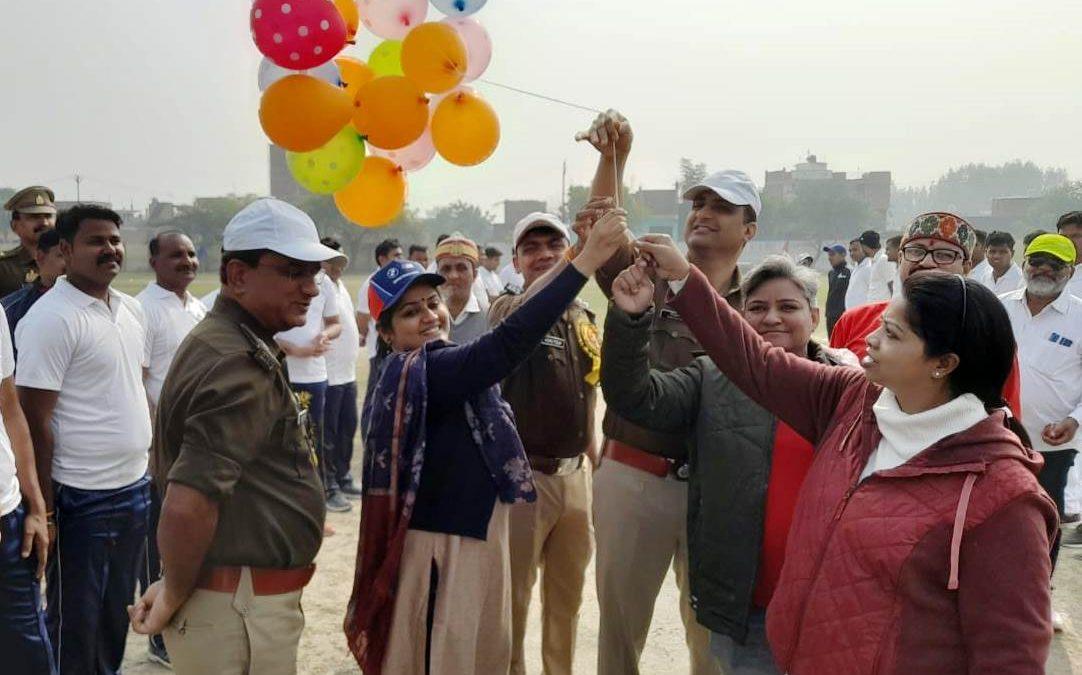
<point>34,199</point>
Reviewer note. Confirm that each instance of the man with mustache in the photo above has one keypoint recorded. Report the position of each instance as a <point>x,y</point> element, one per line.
<point>50,267</point>
<point>1047,323</point>
<point>82,350</point>
<point>171,313</point>
<point>32,212</point>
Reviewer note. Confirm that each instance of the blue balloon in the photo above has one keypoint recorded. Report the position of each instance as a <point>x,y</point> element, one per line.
<point>458,7</point>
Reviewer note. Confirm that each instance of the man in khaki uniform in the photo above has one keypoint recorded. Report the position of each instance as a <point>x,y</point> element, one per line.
<point>553,395</point>
<point>32,212</point>
<point>242,516</point>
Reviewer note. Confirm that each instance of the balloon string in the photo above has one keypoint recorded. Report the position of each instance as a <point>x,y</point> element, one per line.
<point>541,96</point>
<point>616,173</point>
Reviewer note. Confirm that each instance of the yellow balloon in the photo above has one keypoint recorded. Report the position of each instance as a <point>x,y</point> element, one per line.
<point>350,14</point>
<point>354,74</point>
<point>386,58</point>
<point>465,129</point>
<point>391,112</point>
<point>375,196</point>
<point>434,56</point>
<point>331,167</point>
<point>301,113</point>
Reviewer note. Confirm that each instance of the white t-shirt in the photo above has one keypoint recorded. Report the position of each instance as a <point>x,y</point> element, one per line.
<point>209,299</point>
<point>1011,280</point>
<point>980,269</point>
<point>510,277</point>
<point>169,320</point>
<point>362,308</point>
<point>10,495</point>
<point>93,354</point>
<point>342,356</point>
<point>309,369</point>
<point>1049,361</point>
<point>882,273</point>
<point>491,280</point>
<point>857,292</point>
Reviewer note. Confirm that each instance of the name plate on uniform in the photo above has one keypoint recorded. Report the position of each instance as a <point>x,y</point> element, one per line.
<point>553,341</point>
<point>667,313</point>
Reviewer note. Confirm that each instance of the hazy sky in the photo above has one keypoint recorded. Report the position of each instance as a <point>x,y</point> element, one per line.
<point>159,97</point>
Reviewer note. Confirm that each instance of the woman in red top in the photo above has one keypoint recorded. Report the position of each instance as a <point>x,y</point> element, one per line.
<point>746,466</point>
<point>920,539</point>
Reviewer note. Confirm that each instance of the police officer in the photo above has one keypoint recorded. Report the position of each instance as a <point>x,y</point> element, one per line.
<point>49,263</point>
<point>243,510</point>
<point>32,212</point>
<point>553,398</point>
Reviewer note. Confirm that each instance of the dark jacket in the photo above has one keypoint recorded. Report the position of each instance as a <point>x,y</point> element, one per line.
<point>729,458</point>
<point>938,566</point>
<point>17,304</point>
<point>838,284</point>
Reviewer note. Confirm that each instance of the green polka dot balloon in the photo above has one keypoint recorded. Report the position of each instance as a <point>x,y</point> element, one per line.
<point>330,168</point>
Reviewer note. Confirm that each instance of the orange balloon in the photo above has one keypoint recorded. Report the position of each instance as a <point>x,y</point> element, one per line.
<point>352,17</point>
<point>391,112</point>
<point>301,113</point>
<point>376,195</point>
<point>434,56</point>
<point>465,129</point>
<point>354,74</point>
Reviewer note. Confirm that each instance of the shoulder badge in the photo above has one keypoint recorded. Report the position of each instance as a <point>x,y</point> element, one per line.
<point>260,351</point>
<point>587,334</point>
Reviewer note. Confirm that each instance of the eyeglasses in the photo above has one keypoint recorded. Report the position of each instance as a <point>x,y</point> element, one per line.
<point>1054,264</point>
<point>940,256</point>
<point>295,272</point>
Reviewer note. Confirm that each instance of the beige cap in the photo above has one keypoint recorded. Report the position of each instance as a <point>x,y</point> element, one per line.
<point>33,199</point>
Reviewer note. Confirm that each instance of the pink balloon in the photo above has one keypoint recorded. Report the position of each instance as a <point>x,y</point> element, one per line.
<point>478,45</point>
<point>413,157</point>
<point>392,19</point>
<point>297,34</point>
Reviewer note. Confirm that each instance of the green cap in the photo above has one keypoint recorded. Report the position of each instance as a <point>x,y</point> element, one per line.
<point>1055,245</point>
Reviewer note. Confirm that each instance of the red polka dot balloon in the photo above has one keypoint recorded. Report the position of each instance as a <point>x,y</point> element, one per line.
<point>298,34</point>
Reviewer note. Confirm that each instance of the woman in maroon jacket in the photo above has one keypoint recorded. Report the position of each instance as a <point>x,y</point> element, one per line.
<point>920,540</point>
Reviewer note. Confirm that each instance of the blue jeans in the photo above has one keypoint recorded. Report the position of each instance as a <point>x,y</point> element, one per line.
<point>91,576</point>
<point>751,658</point>
<point>339,427</point>
<point>149,569</point>
<point>24,642</point>
<point>317,402</point>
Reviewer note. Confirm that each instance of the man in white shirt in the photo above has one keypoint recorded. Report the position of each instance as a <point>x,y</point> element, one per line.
<point>1002,274</point>
<point>305,347</point>
<point>340,413</point>
<point>386,251</point>
<point>490,263</point>
<point>1047,323</point>
<point>510,277</point>
<point>456,261</point>
<point>882,270</point>
<point>857,292</point>
<point>24,533</point>
<point>1070,226</point>
<point>82,350</point>
<point>980,258</point>
<point>171,313</point>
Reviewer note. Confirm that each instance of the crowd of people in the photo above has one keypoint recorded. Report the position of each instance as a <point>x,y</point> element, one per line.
<point>889,500</point>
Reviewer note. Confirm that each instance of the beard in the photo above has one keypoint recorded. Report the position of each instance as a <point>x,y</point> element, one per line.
<point>1043,287</point>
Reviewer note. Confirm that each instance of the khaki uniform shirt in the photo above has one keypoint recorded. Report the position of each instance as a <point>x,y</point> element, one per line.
<point>229,426</point>
<point>549,393</point>
<point>17,268</point>
<point>672,346</point>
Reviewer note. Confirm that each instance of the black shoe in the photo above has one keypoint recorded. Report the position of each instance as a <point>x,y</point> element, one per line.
<point>157,654</point>
<point>349,490</point>
<point>337,503</point>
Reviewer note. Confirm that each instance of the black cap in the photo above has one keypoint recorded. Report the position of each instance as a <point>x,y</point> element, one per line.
<point>870,238</point>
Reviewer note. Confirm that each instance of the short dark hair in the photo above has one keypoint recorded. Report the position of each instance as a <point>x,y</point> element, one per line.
<point>155,243</point>
<point>48,240</point>
<point>418,248</point>
<point>1028,239</point>
<point>250,258</point>
<point>1069,218</point>
<point>492,252</point>
<point>440,238</point>
<point>982,237</point>
<point>331,242</point>
<point>68,222</point>
<point>384,248</point>
<point>998,238</point>
<point>854,241</point>
<point>895,240</point>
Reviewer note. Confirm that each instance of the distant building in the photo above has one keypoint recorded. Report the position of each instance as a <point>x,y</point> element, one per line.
<point>873,187</point>
<point>659,212</point>
<point>282,184</point>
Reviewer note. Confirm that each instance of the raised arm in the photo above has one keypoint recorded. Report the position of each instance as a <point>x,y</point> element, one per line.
<point>802,393</point>
<point>662,401</point>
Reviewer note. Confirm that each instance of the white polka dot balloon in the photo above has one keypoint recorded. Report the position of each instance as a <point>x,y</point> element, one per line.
<point>297,34</point>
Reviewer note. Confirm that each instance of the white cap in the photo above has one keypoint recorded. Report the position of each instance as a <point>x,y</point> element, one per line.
<point>277,226</point>
<point>735,187</point>
<point>537,220</point>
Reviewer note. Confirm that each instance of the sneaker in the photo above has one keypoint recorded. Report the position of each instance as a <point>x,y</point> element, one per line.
<point>349,490</point>
<point>1072,538</point>
<point>157,654</point>
<point>1057,621</point>
<point>337,503</point>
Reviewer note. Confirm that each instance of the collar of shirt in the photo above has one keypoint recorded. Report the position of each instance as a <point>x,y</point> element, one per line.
<point>472,307</point>
<point>1061,304</point>
<point>161,293</point>
<point>232,310</point>
<point>81,299</point>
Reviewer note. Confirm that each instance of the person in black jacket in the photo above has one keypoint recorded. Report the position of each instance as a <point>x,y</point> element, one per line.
<point>839,284</point>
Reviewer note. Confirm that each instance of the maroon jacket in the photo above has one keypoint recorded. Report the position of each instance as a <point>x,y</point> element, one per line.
<point>940,565</point>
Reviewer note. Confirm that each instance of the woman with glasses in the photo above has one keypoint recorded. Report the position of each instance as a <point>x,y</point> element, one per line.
<point>920,538</point>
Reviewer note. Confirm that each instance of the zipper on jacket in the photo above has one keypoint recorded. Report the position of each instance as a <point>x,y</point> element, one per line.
<point>845,501</point>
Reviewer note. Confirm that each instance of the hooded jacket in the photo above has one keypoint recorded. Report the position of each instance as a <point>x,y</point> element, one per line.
<point>940,565</point>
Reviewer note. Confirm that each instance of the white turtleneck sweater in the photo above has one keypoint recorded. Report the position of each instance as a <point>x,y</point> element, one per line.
<point>905,436</point>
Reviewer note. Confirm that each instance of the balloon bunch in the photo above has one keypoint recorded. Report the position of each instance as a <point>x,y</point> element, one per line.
<point>353,128</point>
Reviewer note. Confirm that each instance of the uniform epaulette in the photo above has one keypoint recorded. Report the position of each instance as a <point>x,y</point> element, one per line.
<point>260,351</point>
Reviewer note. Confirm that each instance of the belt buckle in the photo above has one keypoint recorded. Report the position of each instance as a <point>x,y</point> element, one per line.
<point>568,465</point>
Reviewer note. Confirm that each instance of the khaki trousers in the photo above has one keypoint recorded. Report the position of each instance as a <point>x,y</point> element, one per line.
<point>555,534</point>
<point>236,633</point>
<point>471,619</point>
<point>641,523</point>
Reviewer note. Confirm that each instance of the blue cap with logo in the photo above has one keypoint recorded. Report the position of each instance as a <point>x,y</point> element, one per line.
<point>390,283</point>
<point>836,248</point>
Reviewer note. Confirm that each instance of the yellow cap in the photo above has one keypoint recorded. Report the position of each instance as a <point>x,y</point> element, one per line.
<point>1055,245</point>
